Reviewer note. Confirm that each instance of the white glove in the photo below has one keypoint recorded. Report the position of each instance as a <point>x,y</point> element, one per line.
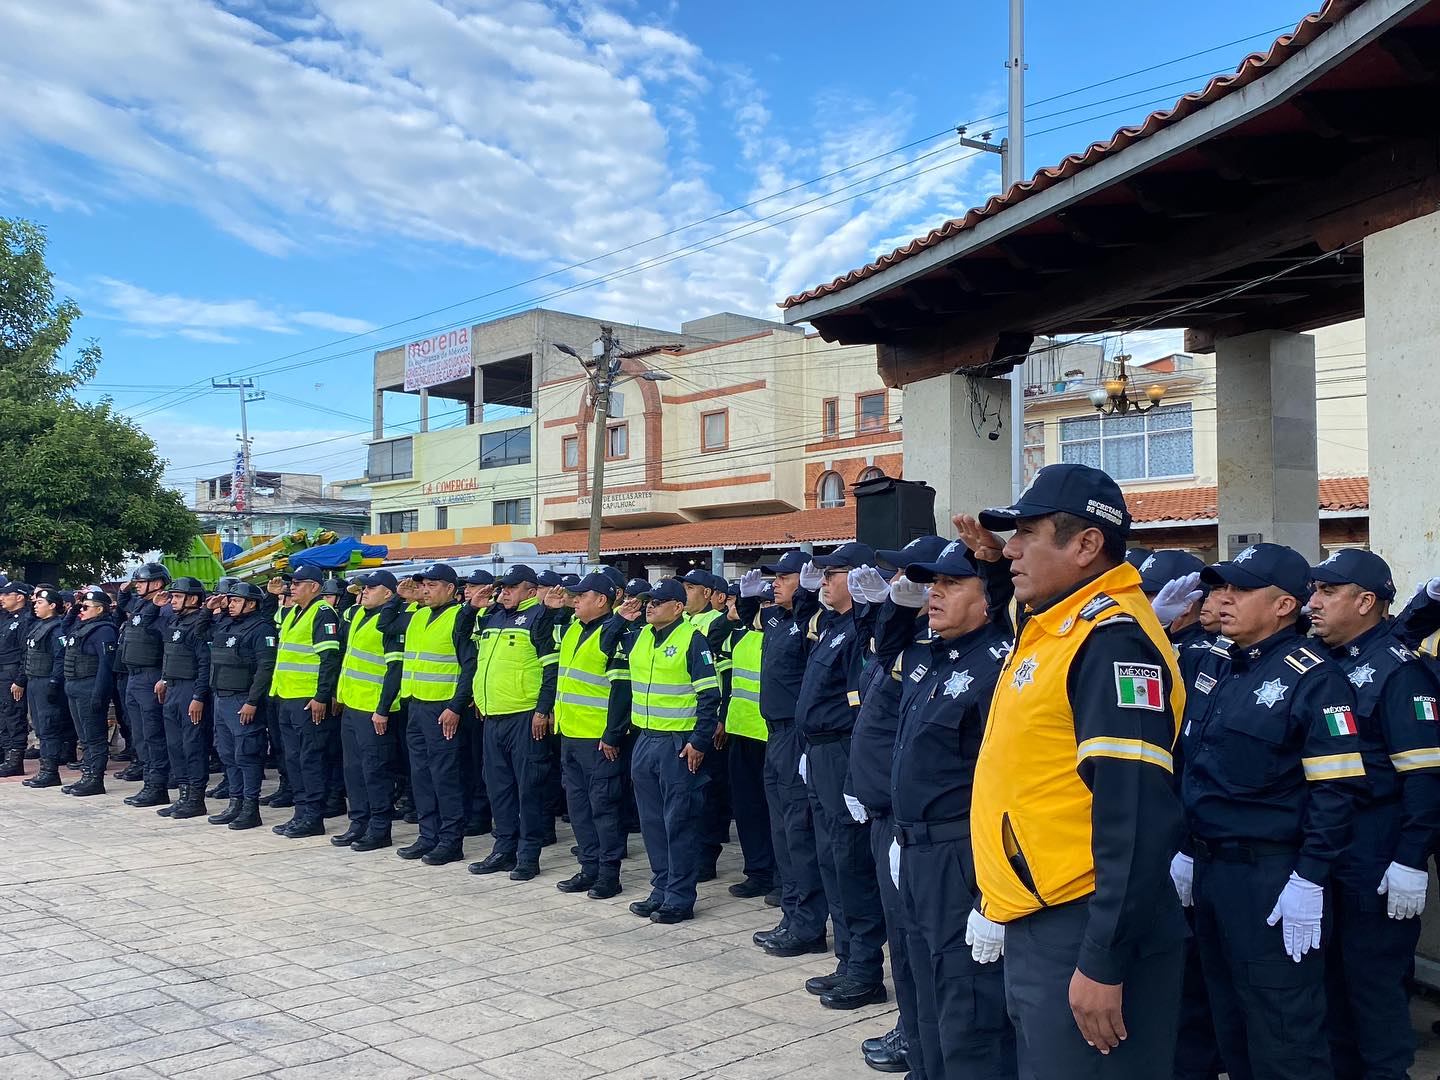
<point>907,593</point>
<point>895,862</point>
<point>985,938</point>
<point>867,584</point>
<point>1175,597</point>
<point>1302,906</point>
<point>1404,890</point>
<point>804,769</point>
<point>857,810</point>
<point>1432,588</point>
<point>752,583</point>
<point>811,576</point>
<point>1182,873</point>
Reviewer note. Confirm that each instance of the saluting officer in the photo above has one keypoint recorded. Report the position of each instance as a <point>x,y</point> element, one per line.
<point>1272,777</point>
<point>307,669</point>
<point>592,710</point>
<point>42,683</point>
<point>146,611</point>
<point>739,665</point>
<point>15,618</point>
<point>369,687</point>
<point>1380,881</point>
<point>333,590</point>
<point>242,665</point>
<point>479,820</point>
<point>89,681</point>
<point>182,691</point>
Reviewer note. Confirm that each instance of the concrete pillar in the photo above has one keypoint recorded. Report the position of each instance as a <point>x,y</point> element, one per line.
<point>655,571</point>
<point>477,409</point>
<point>948,429</point>
<point>1402,344</point>
<point>424,410</point>
<point>379,414</point>
<point>1266,464</point>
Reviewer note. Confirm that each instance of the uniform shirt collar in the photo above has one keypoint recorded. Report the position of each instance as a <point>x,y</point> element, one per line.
<point>941,649</point>
<point>1058,616</point>
<point>1251,655</point>
<point>1363,642</point>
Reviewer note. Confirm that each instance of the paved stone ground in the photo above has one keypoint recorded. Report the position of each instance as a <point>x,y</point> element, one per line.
<point>136,947</point>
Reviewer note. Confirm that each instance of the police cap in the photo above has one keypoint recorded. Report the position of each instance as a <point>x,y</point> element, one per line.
<point>1066,488</point>
<point>596,583</point>
<point>308,573</point>
<point>1159,568</point>
<point>1262,565</point>
<point>332,587</point>
<point>792,562</point>
<point>548,579</point>
<point>520,574</point>
<point>921,549</point>
<point>638,586</point>
<point>703,578</point>
<point>16,587</point>
<point>953,561</point>
<point>378,577</point>
<point>1355,566</point>
<point>439,572</point>
<point>480,577</point>
<point>48,593</point>
<point>851,555</point>
<point>667,589</point>
<point>93,594</point>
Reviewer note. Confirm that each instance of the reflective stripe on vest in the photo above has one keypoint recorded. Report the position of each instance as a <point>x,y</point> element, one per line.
<point>362,672</point>
<point>668,705</point>
<point>582,698</point>
<point>507,667</point>
<point>742,714</point>
<point>297,663</point>
<point>432,667</point>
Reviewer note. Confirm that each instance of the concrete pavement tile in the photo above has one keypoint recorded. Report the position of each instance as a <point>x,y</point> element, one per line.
<point>313,1051</point>
<point>144,1052</point>
<point>457,1022</point>
<point>539,1064</point>
<point>366,1064</point>
<point>30,1067</point>
<point>431,1054</point>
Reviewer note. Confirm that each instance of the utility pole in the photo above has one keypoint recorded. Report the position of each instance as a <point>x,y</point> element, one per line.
<point>1012,166</point>
<point>248,393</point>
<point>606,367</point>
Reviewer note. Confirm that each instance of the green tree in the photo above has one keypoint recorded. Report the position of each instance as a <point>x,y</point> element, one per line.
<point>80,486</point>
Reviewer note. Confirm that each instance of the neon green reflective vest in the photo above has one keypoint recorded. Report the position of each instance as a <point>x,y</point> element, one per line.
<point>582,688</point>
<point>432,667</point>
<point>507,667</point>
<point>297,657</point>
<point>362,673</point>
<point>663,696</point>
<point>742,715</point>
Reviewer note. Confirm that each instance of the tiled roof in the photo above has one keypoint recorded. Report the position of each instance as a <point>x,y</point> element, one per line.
<point>1201,504</point>
<point>1250,69</point>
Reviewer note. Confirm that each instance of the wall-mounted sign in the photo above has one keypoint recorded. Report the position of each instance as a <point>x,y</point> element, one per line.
<point>445,487</point>
<point>439,359</point>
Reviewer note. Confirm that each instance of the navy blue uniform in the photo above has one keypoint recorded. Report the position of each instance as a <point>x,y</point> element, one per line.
<point>43,679</point>
<point>306,743</point>
<point>368,757</point>
<point>142,646</point>
<point>14,629</point>
<point>242,661</point>
<point>185,668</point>
<point>89,668</point>
<point>1272,778</point>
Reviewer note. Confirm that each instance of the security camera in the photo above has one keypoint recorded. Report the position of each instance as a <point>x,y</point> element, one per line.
<point>993,436</point>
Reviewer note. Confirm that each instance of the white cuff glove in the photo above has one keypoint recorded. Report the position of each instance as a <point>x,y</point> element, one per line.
<point>866,583</point>
<point>1404,890</point>
<point>804,769</point>
<point>907,593</point>
<point>1302,907</point>
<point>985,938</point>
<point>811,576</point>
<point>857,810</point>
<point>1175,597</point>
<point>1432,588</point>
<point>752,583</point>
<point>895,862</point>
<point>1182,873</point>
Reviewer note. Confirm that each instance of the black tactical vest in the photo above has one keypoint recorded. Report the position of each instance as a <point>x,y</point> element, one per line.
<point>40,648</point>
<point>141,645</point>
<point>80,665</point>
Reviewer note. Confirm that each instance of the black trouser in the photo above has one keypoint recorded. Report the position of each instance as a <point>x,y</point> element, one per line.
<point>846,865</point>
<point>241,746</point>
<point>335,785</point>
<point>593,789</point>
<point>369,770</point>
<point>552,783</point>
<point>274,737</point>
<point>89,718</point>
<point>802,894</point>
<point>13,728</point>
<point>671,800</point>
<point>629,811</point>
<point>185,740</point>
<point>435,776</point>
<point>472,770</point>
<point>401,723</point>
<point>749,807</point>
<point>1041,951</point>
<point>882,834</point>
<point>147,722</point>
<point>715,816</point>
<point>1269,1011</point>
<point>122,719</point>
<point>305,747</point>
<point>516,767</point>
<point>960,1004</point>
<point>50,716</point>
<point>1197,1055</point>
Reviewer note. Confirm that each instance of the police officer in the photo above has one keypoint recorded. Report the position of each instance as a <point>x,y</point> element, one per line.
<point>15,618</point>
<point>592,710</point>
<point>675,705</point>
<point>307,669</point>
<point>739,667</point>
<point>829,699</point>
<point>89,681</point>
<point>514,694</point>
<point>439,667</point>
<point>1073,815</point>
<point>479,594</point>
<point>277,602</point>
<point>1170,578</point>
<point>42,683</point>
<point>218,604</point>
<point>792,830</point>
<point>242,665</point>
<point>145,607</point>
<point>1379,883</point>
<point>368,690</point>
<point>182,691</point>
<point>333,591</point>
<point>1273,774</point>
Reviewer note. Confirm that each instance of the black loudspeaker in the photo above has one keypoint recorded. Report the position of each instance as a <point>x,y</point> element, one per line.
<point>889,513</point>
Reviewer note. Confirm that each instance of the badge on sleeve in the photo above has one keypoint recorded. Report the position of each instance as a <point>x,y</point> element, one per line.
<point>1138,686</point>
<point>1339,720</point>
<point>1425,709</point>
<point>330,628</point>
<point>1204,683</point>
<point>270,642</point>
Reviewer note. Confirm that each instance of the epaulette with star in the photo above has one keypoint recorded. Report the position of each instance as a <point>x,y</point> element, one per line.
<point>1098,603</point>
<point>1303,659</point>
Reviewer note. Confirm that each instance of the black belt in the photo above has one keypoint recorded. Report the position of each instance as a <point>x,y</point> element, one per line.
<point>933,832</point>
<point>1241,851</point>
<point>779,725</point>
<point>824,737</point>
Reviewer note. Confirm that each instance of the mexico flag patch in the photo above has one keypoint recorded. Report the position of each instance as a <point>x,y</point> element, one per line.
<point>1340,720</point>
<point>1425,709</point>
<point>1138,686</point>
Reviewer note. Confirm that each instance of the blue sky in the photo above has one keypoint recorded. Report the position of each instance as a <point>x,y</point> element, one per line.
<point>228,184</point>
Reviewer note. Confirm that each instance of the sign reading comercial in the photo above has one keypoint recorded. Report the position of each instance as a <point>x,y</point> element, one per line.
<point>439,359</point>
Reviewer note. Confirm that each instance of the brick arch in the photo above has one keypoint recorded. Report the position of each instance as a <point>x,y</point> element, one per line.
<point>893,465</point>
<point>654,430</point>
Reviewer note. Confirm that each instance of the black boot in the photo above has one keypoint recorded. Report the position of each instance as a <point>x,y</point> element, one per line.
<point>14,764</point>
<point>152,794</point>
<point>47,776</point>
<point>133,771</point>
<point>194,804</point>
<point>92,782</point>
<point>220,790</point>
<point>249,815</point>
<point>229,814</point>
<point>335,806</point>
<point>283,798</point>
<point>182,792</point>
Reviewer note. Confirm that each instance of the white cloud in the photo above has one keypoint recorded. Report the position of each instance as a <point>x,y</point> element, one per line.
<point>198,451</point>
<point>152,314</point>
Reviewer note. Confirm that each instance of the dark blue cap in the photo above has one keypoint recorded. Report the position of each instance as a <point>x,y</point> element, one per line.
<point>480,577</point>
<point>667,589</point>
<point>439,572</point>
<point>50,593</point>
<point>852,555</point>
<point>733,590</point>
<point>952,561</point>
<point>519,574</point>
<point>571,579</point>
<point>637,586</point>
<point>1261,565</point>
<point>921,549</point>
<point>548,579</point>
<point>308,573</point>
<point>614,573</point>
<point>377,577</point>
<point>792,562</point>
<point>718,583</point>
<point>16,587</point>
<point>1067,488</point>
<point>1356,566</point>
<point>598,583</point>
<point>1135,556</point>
<point>703,578</point>
<point>1159,568</point>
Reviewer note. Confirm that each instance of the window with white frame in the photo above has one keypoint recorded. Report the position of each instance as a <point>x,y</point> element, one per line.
<point>1145,446</point>
<point>830,491</point>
